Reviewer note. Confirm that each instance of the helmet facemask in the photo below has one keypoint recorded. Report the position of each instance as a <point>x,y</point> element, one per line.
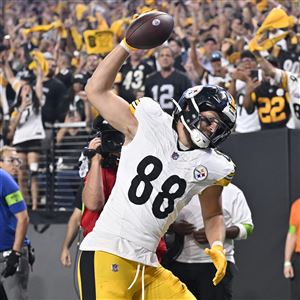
<point>188,111</point>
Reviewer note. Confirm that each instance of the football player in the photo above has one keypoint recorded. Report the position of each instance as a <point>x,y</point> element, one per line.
<point>290,82</point>
<point>165,160</point>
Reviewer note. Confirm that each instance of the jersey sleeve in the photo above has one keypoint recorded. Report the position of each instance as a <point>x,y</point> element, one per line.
<point>133,106</point>
<point>144,107</point>
<point>11,194</point>
<point>281,78</point>
<point>78,199</point>
<point>241,214</point>
<point>223,168</point>
<point>294,215</point>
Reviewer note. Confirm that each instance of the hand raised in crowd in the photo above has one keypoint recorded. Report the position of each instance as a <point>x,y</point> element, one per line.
<point>200,236</point>
<point>193,5</point>
<point>25,104</point>
<point>193,38</point>
<point>39,69</point>
<point>183,227</point>
<point>239,74</point>
<point>2,57</point>
<point>81,63</point>
<point>68,23</point>
<point>252,84</point>
<point>179,31</point>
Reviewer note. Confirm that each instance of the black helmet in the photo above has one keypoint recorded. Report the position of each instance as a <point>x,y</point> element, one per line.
<point>202,98</point>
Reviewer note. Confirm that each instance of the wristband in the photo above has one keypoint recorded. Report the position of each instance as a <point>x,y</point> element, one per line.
<point>18,253</point>
<point>287,263</point>
<point>216,243</point>
<point>127,47</point>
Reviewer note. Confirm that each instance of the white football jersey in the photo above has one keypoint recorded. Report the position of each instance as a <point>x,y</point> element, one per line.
<point>154,182</point>
<point>236,212</point>
<point>291,83</point>
<point>245,122</point>
<point>30,127</point>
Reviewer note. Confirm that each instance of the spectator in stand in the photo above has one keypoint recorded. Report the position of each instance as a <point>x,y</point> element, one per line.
<point>70,139</point>
<point>180,55</point>
<point>210,45</point>
<point>240,76</point>
<point>65,73</point>
<point>190,263</point>
<point>288,59</point>
<point>291,269</point>
<point>270,100</point>
<point>14,222</point>
<point>91,63</point>
<point>218,76</point>
<point>54,94</point>
<point>289,82</point>
<point>167,83</point>
<point>133,75</point>
<point>27,132</point>
<point>77,99</point>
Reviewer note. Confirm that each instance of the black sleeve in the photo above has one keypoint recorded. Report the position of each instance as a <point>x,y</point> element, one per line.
<point>149,69</point>
<point>148,92</point>
<point>78,199</point>
<point>185,43</point>
<point>62,96</point>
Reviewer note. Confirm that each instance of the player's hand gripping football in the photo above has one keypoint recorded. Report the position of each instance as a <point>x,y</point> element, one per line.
<point>218,257</point>
<point>148,31</point>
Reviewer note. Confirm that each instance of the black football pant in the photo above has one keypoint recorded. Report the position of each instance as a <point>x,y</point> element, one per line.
<point>198,278</point>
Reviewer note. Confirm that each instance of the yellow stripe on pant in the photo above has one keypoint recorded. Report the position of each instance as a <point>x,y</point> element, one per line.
<point>112,275</point>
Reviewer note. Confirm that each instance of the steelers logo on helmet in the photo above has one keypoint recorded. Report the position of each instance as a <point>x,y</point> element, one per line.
<point>199,99</point>
<point>193,91</point>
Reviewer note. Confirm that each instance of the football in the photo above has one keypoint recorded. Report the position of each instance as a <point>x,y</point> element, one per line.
<point>149,30</point>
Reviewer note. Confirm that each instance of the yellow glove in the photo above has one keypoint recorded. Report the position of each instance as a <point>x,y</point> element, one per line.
<point>217,255</point>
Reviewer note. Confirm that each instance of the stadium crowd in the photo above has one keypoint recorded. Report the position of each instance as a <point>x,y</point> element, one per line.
<point>49,49</point>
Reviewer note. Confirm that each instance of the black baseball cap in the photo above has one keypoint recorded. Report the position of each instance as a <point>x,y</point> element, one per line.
<point>216,56</point>
<point>210,38</point>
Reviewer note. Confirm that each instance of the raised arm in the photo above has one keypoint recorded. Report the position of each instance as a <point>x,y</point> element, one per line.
<point>39,82</point>
<point>194,58</point>
<point>9,73</point>
<point>265,65</point>
<point>251,85</point>
<point>111,107</point>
